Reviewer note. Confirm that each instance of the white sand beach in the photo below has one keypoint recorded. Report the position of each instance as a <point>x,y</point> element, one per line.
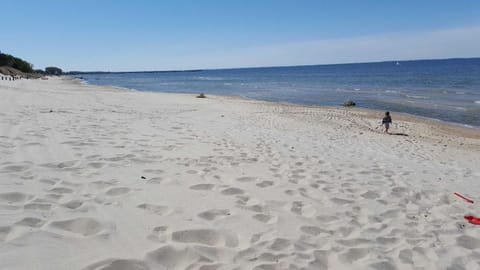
<point>101,178</point>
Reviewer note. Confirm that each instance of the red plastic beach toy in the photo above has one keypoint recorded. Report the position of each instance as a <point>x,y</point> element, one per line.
<point>472,219</point>
<point>463,197</point>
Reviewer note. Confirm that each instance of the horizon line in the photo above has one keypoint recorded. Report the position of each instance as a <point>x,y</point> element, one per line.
<point>280,66</point>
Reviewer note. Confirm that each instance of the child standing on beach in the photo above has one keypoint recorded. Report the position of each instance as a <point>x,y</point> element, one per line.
<point>386,121</point>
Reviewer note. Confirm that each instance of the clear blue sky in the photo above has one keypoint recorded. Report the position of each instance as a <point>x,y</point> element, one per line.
<point>119,35</point>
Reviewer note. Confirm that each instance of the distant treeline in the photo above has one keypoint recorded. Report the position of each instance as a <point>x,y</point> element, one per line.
<point>128,72</point>
<point>16,63</point>
<point>24,66</point>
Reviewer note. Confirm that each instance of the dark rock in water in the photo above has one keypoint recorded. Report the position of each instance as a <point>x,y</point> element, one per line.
<point>349,103</point>
<point>202,95</point>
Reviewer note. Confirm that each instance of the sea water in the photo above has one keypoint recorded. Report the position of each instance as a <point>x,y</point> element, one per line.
<point>447,90</point>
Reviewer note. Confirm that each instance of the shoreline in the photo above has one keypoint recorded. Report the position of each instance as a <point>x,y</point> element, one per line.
<point>453,126</point>
<point>95,177</point>
<point>433,120</point>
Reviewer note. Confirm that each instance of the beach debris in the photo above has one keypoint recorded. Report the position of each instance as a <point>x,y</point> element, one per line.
<point>143,177</point>
<point>473,220</point>
<point>349,103</point>
<point>202,95</point>
<point>463,197</point>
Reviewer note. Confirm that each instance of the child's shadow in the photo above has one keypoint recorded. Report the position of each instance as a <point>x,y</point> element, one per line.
<point>399,134</point>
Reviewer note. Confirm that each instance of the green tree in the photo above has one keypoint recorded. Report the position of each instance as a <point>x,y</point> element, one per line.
<point>14,62</point>
<point>53,71</point>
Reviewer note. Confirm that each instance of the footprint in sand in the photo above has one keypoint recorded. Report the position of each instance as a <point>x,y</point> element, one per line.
<point>246,179</point>
<point>302,209</point>
<point>290,192</point>
<point>468,242</point>
<point>268,219</point>
<point>31,222</point>
<point>4,231</point>
<point>170,257</point>
<point>353,242</point>
<point>326,218</point>
<point>52,197</point>
<point>67,164</point>
<point>118,264</point>
<point>266,266</point>
<point>353,254</point>
<point>96,165</point>
<point>213,214</point>
<point>207,237</point>
<point>384,265</point>
<point>102,184</point>
<point>61,190</point>
<point>249,203</point>
<point>38,206</point>
<point>70,184</point>
<point>155,180</point>
<point>371,195</point>
<point>117,191</point>
<point>203,187</point>
<point>159,234</point>
<point>271,257</point>
<point>157,209</point>
<point>276,205</point>
<point>73,204</point>
<point>154,171</point>
<point>14,168</point>
<point>340,201</point>
<point>50,182</point>
<point>386,241</point>
<point>14,197</point>
<point>280,244</point>
<point>399,191</point>
<point>232,191</point>
<point>391,213</point>
<point>264,184</point>
<point>79,226</point>
<point>314,230</point>
<point>406,256</point>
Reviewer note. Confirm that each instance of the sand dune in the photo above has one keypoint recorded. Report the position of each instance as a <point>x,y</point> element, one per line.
<point>102,178</point>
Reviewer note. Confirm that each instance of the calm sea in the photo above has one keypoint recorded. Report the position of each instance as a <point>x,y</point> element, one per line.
<point>447,90</point>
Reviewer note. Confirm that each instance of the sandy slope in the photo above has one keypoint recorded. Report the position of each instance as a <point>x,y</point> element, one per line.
<point>100,178</point>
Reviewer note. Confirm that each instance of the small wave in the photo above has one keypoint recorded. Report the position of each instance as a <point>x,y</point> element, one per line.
<point>391,91</point>
<point>201,78</point>
<point>477,102</point>
<point>171,83</point>
<point>347,90</point>
<point>416,97</point>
